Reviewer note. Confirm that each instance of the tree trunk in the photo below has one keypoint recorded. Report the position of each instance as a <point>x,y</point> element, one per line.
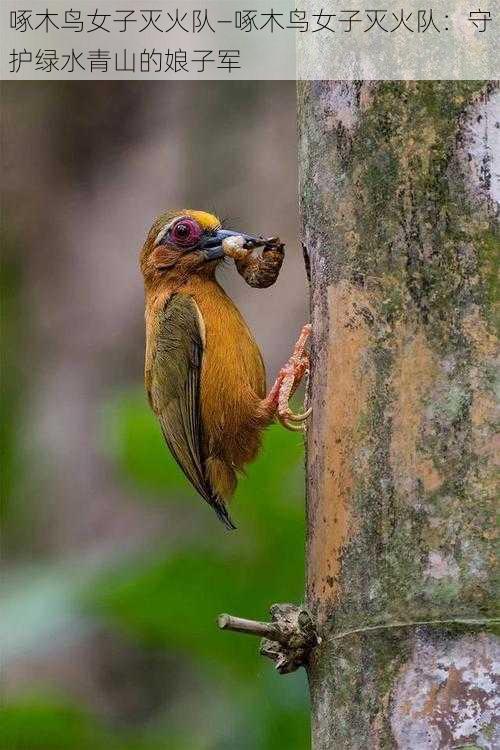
<point>399,207</point>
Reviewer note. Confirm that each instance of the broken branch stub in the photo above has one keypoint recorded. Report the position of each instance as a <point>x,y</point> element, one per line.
<point>287,639</point>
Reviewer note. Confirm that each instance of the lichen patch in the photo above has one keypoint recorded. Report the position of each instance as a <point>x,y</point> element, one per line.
<point>446,695</point>
<point>440,566</point>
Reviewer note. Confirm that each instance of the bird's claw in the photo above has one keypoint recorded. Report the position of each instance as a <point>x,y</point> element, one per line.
<point>288,417</point>
<point>287,382</point>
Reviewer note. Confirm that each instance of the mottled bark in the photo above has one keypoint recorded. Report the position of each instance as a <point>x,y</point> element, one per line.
<point>399,209</point>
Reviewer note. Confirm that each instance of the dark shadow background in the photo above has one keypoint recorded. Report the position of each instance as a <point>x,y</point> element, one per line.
<point>114,571</point>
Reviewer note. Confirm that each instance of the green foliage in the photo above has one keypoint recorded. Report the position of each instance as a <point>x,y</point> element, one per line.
<point>51,724</point>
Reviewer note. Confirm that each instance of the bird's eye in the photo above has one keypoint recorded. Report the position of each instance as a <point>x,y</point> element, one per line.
<point>182,230</point>
<point>185,232</point>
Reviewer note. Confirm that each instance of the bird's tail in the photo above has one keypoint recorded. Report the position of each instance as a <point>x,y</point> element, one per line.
<point>222,480</point>
<point>220,508</point>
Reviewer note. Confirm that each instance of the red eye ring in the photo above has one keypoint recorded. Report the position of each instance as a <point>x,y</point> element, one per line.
<point>185,232</point>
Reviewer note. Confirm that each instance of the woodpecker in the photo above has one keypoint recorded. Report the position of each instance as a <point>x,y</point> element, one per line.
<point>204,374</point>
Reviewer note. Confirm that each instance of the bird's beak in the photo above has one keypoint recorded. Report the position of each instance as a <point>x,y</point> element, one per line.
<point>212,246</point>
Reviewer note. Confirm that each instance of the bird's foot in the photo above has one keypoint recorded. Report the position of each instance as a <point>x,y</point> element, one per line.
<point>287,382</point>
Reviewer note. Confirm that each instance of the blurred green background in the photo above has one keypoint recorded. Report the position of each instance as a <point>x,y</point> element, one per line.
<point>114,571</point>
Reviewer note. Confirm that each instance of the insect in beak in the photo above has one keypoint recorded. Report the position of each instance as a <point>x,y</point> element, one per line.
<point>212,246</point>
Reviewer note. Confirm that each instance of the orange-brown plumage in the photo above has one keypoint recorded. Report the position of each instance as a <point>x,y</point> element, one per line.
<point>204,373</point>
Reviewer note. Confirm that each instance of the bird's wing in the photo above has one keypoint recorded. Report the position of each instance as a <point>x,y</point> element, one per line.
<point>175,391</point>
